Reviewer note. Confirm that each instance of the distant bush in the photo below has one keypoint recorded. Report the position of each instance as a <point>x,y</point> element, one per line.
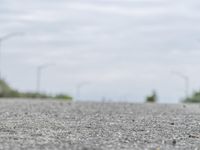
<point>7,92</point>
<point>61,96</point>
<point>152,98</point>
<point>194,98</point>
<point>34,95</point>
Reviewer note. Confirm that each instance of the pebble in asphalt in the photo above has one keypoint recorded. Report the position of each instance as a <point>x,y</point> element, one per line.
<point>36,124</point>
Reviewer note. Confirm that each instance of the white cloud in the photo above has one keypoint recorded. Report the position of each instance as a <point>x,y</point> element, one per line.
<point>117,10</point>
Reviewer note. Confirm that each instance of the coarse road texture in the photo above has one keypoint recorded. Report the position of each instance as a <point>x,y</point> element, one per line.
<point>41,125</point>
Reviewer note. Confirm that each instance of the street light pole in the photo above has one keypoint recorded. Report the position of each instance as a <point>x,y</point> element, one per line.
<point>186,80</point>
<point>2,39</point>
<point>38,80</point>
<point>0,58</point>
<point>78,89</point>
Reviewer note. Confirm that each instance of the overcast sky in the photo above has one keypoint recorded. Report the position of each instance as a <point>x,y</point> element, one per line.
<point>123,49</point>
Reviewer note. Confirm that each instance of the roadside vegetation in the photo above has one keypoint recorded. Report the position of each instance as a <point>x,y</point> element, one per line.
<point>8,92</point>
<point>152,98</point>
<point>194,98</point>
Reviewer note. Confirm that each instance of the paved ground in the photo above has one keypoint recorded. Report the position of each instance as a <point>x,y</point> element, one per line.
<point>26,124</point>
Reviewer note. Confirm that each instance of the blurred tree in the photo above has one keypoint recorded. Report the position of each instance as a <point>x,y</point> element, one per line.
<point>7,92</point>
<point>194,98</point>
<point>152,98</point>
<point>64,97</point>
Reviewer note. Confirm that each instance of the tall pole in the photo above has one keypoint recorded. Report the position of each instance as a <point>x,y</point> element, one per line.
<point>78,89</point>
<point>38,79</point>
<point>186,80</point>
<point>0,58</point>
<point>2,39</point>
<point>39,74</point>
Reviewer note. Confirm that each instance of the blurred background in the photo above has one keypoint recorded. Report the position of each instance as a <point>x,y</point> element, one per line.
<point>102,50</point>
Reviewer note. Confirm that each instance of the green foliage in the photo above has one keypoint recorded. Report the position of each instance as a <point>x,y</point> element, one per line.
<point>152,98</point>
<point>35,95</point>
<point>7,92</point>
<point>64,97</point>
<point>195,98</point>
<point>4,89</point>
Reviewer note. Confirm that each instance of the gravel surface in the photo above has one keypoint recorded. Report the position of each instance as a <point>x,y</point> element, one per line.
<point>28,124</point>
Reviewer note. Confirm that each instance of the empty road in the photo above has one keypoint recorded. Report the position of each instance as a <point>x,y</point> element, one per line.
<point>42,125</point>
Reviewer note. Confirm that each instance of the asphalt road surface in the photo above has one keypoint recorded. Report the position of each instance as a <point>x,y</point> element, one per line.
<point>42,125</point>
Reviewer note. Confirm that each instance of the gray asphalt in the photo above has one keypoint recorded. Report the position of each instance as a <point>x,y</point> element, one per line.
<point>29,124</point>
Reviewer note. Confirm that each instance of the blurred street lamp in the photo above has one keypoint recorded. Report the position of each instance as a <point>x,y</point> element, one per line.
<point>78,89</point>
<point>2,39</point>
<point>39,74</point>
<point>186,80</point>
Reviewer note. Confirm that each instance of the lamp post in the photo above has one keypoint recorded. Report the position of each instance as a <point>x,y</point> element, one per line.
<point>39,74</point>
<point>2,39</point>
<point>186,80</point>
<point>78,89</point>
